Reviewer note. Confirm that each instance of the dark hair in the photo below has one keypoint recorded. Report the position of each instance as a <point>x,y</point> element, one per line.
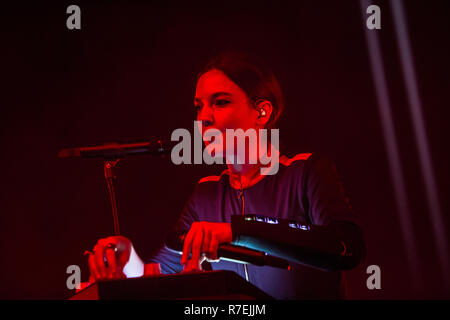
<point>252,76</point>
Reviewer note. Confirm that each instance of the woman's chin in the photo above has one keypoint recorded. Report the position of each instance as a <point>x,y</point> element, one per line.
<point>215,151</point>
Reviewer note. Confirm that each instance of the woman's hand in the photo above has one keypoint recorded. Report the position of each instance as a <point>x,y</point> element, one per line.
<point>116,251</point>
<point>202,241</point>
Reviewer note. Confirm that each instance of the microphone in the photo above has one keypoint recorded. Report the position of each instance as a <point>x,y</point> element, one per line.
<point>233,253</point>
<point>116,150</point>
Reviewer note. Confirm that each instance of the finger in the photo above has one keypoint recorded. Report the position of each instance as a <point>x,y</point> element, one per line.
<point>187,267</point>
<point>91,279</point>
<point>191,266</point>
<point>212,250</point>
<point>187,245</point>
<point>99,252</point>
<point>110,255</point>
<point>192,247</point>
<point>196,247</point>
<point>206,241</point>
<point>93,267</point>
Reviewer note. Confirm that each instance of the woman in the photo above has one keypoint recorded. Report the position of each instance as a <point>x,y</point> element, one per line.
<point>235,92</point>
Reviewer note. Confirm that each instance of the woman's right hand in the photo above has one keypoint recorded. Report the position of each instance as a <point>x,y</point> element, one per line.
<point>108,258</point>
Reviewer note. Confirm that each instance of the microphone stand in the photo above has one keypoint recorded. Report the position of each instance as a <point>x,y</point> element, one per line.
<point>110,176</point>
<point>111,153</point>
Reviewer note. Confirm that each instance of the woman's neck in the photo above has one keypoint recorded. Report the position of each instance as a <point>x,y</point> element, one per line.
<point>246,172</point>
<point>242,169</point>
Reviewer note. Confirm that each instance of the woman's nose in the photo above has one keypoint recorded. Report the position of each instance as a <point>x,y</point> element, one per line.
<point>206,116</point>
<point>206,123</point>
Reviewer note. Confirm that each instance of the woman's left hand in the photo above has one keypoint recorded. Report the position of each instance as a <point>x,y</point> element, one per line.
<point>203,240</point>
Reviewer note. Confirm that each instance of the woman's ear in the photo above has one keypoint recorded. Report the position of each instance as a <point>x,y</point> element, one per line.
<point>265,109</point>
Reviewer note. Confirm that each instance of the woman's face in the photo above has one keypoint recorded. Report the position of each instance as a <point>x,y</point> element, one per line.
<point>221,104</point>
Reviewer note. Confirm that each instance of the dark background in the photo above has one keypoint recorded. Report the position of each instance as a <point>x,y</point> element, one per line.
<point>129,74</point>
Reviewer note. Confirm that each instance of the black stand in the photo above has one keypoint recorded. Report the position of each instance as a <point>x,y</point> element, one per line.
<point>111,178</point>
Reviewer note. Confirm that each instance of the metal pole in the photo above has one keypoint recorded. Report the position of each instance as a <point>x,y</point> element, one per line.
<point>111,181</point>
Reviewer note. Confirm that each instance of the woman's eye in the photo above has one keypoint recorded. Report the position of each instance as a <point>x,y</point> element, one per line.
<point>222,102</point>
